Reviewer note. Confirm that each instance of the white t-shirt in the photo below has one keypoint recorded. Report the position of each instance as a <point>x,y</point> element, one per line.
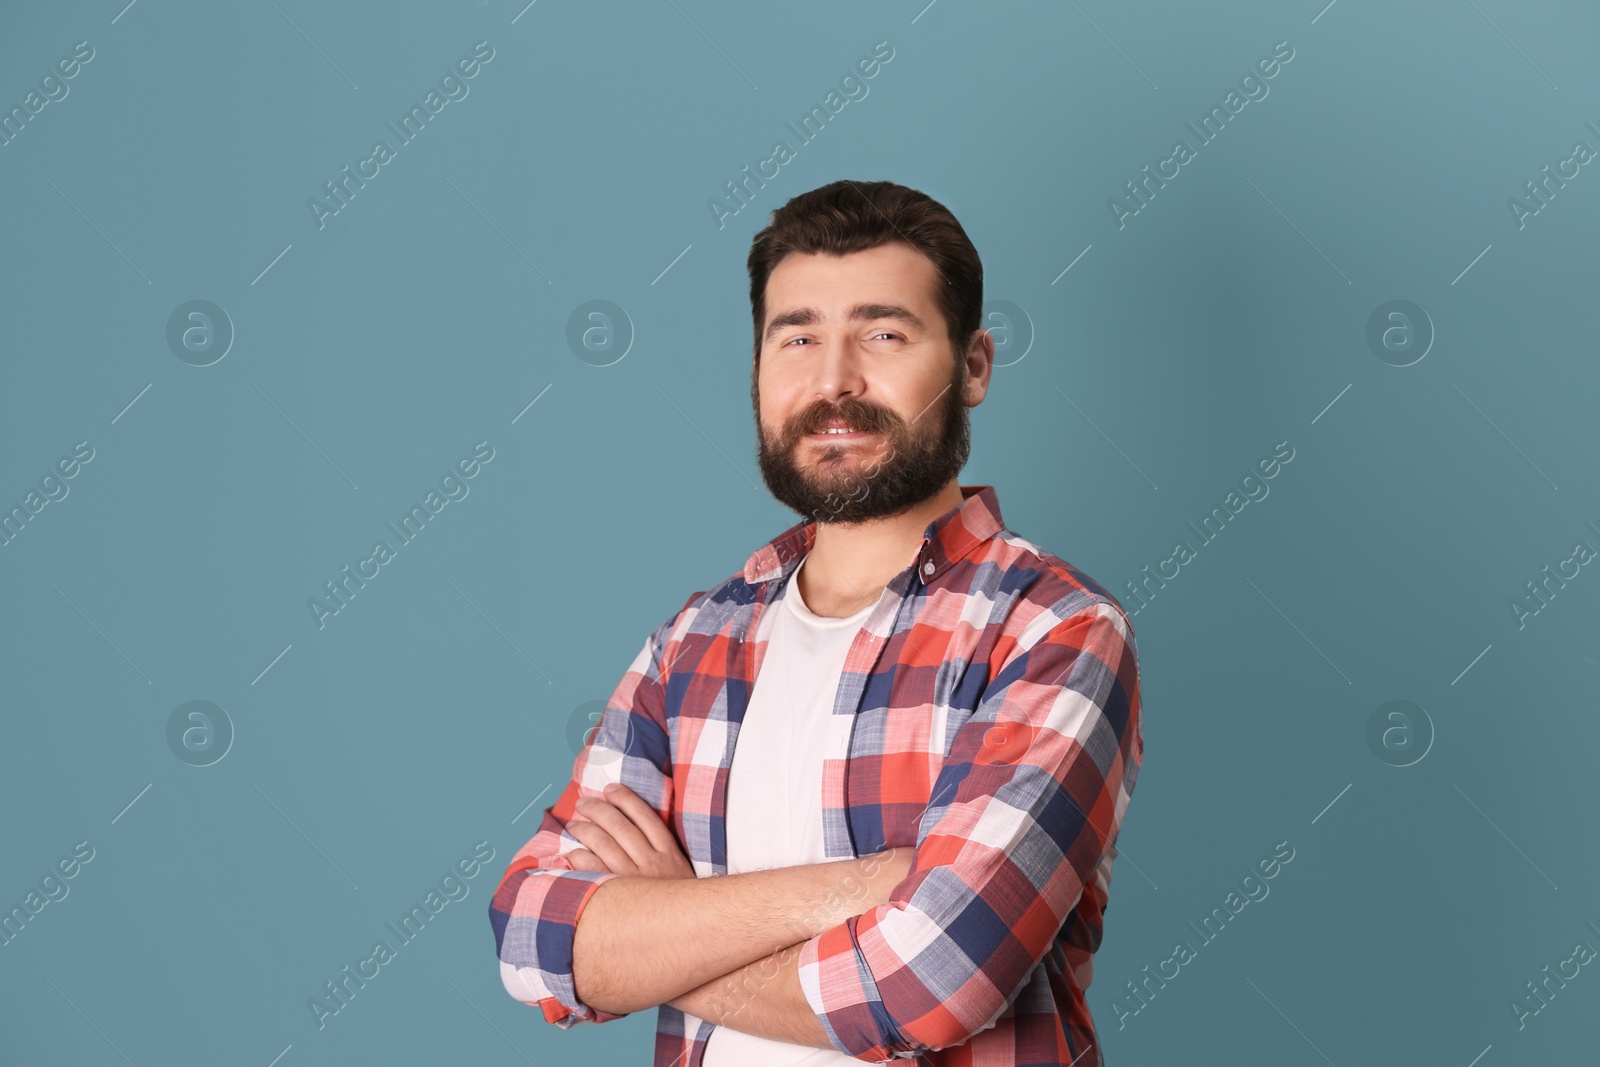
<point>774,801</point>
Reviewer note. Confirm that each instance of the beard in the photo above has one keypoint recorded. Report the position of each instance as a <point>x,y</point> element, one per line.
<point>857,481</point>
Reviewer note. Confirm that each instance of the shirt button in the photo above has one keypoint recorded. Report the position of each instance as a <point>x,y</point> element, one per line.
<point>927,568</point>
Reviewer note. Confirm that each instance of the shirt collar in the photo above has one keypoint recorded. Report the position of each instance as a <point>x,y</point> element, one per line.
<point>946,539</point>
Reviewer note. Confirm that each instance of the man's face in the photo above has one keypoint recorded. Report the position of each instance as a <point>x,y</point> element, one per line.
<point>858,342</point>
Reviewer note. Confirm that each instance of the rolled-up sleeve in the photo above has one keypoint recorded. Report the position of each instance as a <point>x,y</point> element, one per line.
<point>1023,811</point>
<point>536,906</point>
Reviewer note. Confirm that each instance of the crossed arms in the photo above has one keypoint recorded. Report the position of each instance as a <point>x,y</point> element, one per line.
<point>717,948</point>
<point>875,961</point>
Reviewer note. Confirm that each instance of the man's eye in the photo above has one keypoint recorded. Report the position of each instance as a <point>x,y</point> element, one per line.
<point>885,333</point>
<point>792,340</point>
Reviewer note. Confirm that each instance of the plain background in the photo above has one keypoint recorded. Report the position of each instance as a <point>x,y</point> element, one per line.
<point>438,708</point>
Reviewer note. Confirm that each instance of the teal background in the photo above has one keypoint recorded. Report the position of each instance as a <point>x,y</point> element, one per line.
<point>436,709</point>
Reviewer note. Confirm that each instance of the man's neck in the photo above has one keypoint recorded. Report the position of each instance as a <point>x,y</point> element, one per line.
<point>849,566</point>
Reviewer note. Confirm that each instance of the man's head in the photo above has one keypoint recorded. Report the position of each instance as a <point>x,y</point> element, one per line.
<point>866,300</point>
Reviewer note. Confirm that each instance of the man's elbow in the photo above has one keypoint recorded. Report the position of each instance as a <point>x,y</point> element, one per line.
<point>591,989</point>
<point>975,1007</point>
<point>558,1001</point>
<point>534,953</point>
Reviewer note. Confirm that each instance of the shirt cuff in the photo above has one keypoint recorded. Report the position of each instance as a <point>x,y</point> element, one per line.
<point>550,984</point>
<point>841,991</point>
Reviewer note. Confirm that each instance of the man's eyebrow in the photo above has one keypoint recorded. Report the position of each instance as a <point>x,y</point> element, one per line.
<point>807,316</point>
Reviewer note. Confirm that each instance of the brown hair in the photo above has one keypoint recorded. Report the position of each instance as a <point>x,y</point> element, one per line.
<point>846,216</point>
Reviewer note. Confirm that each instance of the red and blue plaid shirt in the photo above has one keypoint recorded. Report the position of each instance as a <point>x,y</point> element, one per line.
<point>994,699</point>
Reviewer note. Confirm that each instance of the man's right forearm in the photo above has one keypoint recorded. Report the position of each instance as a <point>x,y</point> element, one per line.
<point>642,941</point>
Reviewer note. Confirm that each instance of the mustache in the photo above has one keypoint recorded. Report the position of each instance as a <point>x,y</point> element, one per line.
<point>861,416</point>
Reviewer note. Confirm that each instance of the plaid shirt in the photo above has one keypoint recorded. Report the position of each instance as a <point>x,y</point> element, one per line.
<point>994,699</point>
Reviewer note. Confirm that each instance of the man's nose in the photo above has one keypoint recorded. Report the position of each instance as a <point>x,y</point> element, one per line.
<point>837,370</point>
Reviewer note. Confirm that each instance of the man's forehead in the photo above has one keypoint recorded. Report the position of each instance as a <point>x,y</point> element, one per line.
<point>893,259</point>
<point>832,286</point>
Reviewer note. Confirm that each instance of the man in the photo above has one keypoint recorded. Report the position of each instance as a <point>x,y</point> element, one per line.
<point>858,801</point>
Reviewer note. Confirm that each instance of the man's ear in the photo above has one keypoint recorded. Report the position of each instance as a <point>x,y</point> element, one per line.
<point>983,340</point>
<point>977,382</point>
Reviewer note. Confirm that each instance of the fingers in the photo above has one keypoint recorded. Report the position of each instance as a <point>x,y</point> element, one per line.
<point>646,818</point>
<point>618,830</point>
<point>584,860</point>
<point>601,845</point>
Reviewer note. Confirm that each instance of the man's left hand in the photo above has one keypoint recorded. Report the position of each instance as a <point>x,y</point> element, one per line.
<point>624,835</point>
